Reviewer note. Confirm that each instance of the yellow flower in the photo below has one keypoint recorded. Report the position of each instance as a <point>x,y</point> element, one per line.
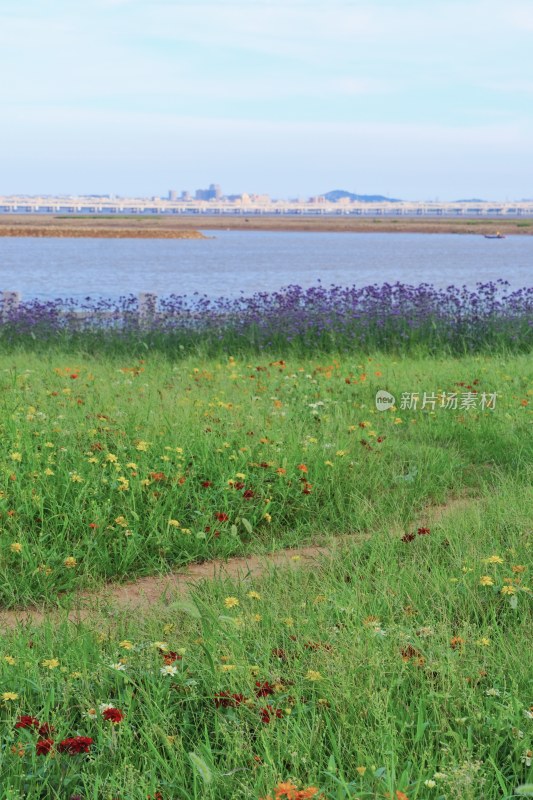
<point>9,696</point>
<point>360,770</point>
<point>289,622</point>
<point>226,667</point>
<point>70,562</point>
<point>75,675</point>
<point>75,478</point>
<point>15,547</point>
<point>92,460</point>
<point>16,456</point>
<point>131,465</point>
<point>493,560</point>
<point>112,458</point>
<point>486,580</point>
<point>231,602</point>
<point>48,471</point>
<point>508,590</point>
<point>398,421</point>
<point>142,446</point>
<point>50,663</point>
<point>268,517</point>
<point>174,523</point>
<point>312,675</point>
<point>328,463</point>
<point>257,617</point>
<point>484,641</point>
<point>254,595</point>
<point>240,475</point>
<point>340,453</point>
<point>10,660</point>
<point>126,644</point>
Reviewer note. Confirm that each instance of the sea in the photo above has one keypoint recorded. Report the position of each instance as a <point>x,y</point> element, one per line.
<point>233,263</point>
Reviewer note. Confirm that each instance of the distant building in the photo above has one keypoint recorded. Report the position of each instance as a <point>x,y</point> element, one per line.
<point>213,193</point>
<point>172,195</point>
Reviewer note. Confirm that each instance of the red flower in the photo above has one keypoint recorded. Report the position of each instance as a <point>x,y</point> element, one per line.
<point>423,531</point>
<point>45,729</point>
<point>408,537</point>
<point>93,525</point>
<point>221,517</point>
<point>239,485</point>
<point>248,494</point>
<point>227,700</point>
<point>158,476</point>
<point>263,689</point>
<point>206,484</point>
<point>74,375</point>
<point>43,746</point>
<point>25,721</point>
<point>75,744</point>
<point>113,715</point>
<point>269,713</point>
<point>279,653</point>
<point>170,656</point>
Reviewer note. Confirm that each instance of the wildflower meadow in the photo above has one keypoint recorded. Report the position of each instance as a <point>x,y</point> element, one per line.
<point>396,664</point>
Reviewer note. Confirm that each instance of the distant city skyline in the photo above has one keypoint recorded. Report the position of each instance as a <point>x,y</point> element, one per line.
<point>288,98</point>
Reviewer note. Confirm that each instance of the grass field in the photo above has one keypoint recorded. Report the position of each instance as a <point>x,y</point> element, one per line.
<point>399,667</point>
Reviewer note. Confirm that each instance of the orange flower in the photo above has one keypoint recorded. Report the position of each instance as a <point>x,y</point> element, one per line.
<point>302,467</point>
<point>456,641</point>
<point>286,789</point>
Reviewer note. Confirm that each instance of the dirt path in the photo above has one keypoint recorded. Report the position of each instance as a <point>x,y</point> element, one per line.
<point>145,593</point>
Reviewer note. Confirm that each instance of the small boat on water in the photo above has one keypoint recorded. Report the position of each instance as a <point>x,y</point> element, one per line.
<point>496,235</point>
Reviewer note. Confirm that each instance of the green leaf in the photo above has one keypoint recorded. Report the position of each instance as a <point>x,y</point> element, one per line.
<point>526,790</point>
<point>332,766</point>
<point>513,601</point>
<point>201,767</point>
<point>247,525</point>
<point>187,607</point>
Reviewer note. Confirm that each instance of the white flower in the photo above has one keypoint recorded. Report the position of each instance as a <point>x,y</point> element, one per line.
<point>492,692</point>
<point>430,784</point>
<point>528,714</point>
<point>119,667</point>
<point>104,706</point>
<point>527,757</point>
<point>168,670</point>
<point>439,776</point>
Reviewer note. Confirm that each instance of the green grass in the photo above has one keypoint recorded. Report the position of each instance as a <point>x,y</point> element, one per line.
<point>389,662</point>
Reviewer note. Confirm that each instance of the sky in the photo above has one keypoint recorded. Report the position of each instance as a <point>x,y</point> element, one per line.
<point>413,99</point>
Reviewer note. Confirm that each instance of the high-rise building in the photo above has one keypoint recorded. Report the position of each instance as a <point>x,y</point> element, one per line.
<point>172,195</point>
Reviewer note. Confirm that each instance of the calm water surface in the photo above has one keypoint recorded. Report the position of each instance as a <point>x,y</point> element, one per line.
<point>248,261</point>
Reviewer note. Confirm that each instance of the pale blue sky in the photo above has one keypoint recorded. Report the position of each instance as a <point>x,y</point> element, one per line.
<point>416,99</point>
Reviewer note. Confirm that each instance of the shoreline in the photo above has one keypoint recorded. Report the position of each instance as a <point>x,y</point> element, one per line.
<point>190,226</point>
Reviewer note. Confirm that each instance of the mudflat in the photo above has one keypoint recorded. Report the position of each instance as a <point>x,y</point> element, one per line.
<point>188,226</point>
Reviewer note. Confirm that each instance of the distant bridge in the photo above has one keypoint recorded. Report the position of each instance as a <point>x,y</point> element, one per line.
<point>134,206</point>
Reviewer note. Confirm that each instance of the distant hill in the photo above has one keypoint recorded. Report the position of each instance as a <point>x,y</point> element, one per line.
<point>339,194</point>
